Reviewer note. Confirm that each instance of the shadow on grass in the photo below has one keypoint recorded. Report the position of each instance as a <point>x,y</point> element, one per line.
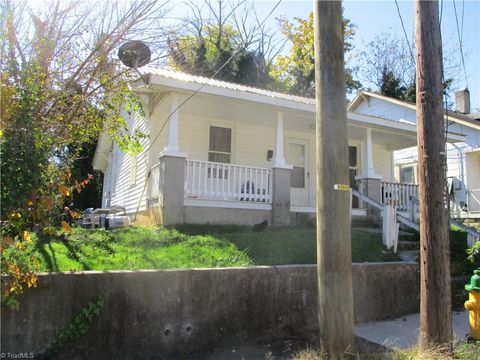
<point>47,259</point>
<point>50,257</point>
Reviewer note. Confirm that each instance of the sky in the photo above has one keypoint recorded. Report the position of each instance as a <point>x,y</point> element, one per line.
<point>374,17</point>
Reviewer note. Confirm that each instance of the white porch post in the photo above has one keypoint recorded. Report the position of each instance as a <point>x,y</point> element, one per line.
<point>370,182</point>
<point>279,140</point>
<point>172,168</point>
<point>369,171</point>
<point>172,148</point>
<point>281,179</point>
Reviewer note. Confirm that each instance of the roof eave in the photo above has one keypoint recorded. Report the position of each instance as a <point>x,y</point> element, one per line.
<point>175,84</point>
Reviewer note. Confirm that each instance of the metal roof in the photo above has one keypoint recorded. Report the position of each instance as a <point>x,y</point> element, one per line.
<point>200,80</point>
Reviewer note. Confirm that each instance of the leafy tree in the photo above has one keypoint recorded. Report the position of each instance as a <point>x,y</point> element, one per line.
<point>295,72</point>
<point>391,85</point>
<point>60,86</point>
<point>207,52</point>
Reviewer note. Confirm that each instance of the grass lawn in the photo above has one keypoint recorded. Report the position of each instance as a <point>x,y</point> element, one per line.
<point>191,246</point>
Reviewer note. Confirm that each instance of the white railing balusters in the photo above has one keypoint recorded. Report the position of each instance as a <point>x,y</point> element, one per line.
<point>219,181</point>
<point>398,194</point>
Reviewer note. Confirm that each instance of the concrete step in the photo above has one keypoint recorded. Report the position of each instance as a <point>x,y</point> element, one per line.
<point>409,255</point>
<point>408,245</point>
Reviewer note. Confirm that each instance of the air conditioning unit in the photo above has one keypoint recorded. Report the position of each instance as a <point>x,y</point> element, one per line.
<point>116,221</point>
<point>106,218</point>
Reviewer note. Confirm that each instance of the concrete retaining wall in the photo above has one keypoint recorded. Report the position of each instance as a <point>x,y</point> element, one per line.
<point>155,314</point>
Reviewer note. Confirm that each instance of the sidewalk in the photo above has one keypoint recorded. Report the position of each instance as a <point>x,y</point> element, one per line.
<point>403,332</point>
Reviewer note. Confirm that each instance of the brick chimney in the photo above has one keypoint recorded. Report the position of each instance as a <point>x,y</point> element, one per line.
<point>462,101</point>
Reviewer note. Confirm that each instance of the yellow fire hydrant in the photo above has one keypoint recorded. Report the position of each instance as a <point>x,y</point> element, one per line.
<point>473,304</point>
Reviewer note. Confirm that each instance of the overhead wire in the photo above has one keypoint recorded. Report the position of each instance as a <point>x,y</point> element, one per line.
<point>242,47</point>
<point>405,32</point>
<point>460,35</point>
<point>445,95</point>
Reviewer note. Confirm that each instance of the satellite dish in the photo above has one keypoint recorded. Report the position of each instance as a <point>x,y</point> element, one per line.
<point>134,54</point>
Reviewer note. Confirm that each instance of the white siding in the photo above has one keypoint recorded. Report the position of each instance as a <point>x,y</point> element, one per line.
<point>158,121</point>
<point>118,175</point>
<point>382,161</point>
<point>455,159</point>
<point>387,110</point>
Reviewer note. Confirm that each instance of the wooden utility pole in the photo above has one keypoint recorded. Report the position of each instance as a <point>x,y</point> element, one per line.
<point>435,296</point>
<point>334,257</point>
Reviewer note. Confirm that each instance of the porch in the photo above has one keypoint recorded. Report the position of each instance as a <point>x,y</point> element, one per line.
<point>227,186</point>
<point>242,162</point>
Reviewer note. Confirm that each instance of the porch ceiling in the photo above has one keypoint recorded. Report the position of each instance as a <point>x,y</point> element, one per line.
<point>246,112</point>
<point>395,135</point>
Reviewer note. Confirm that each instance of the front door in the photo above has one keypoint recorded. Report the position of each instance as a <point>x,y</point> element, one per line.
<point>297,155</point>
<point>353,171</point>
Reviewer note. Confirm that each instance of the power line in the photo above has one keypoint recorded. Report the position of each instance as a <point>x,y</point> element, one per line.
<point>463,16</point>
<point>196,92</point>
<point>405,32</point>
<point>460,42</point>
<point>212,77</point>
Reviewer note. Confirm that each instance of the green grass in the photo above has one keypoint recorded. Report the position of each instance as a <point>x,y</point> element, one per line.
<point>137,248</point>
<point>461,351</point>
<point>193,246</point>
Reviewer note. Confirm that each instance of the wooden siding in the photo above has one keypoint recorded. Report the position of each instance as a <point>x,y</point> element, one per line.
<point>117,180</point>
<point>387,110</point>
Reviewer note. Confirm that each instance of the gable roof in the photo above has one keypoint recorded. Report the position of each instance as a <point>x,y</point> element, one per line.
<point>454,116</point>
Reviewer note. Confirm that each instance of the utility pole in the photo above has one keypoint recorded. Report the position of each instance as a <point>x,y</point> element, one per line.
<point>334,254</point>
<point>435,296</point>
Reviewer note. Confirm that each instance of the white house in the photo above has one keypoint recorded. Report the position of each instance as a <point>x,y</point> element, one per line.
<point>219,152</point>
<point>462,157</point>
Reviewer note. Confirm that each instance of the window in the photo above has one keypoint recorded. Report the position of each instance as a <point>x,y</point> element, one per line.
<point>408,174</point>
<point>220,148</point>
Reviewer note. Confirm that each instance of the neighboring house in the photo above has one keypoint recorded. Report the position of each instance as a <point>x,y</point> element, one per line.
<point>237,154</point>
<point>462,157</point>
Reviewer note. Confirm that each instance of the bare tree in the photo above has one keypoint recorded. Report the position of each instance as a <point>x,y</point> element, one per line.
<point>389,63</point>
<point>219,31</point>
<point>62,84</point>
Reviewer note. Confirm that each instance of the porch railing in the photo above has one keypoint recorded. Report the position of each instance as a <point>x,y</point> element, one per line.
<point>398,194</point>
<point>218,181</point>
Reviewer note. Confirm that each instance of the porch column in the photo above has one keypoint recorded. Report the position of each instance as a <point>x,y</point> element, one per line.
<point>279,140</point>
<point>172,138</point>
<point>172,172</point>
<point>280,179</point>
<point>172,184</point>
<point>370,182</point>
<point>368,154</point>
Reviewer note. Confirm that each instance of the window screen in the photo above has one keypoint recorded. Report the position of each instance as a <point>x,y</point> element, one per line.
<point>220,148</point>
<point>407,175</point>
<point>296,155</point>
